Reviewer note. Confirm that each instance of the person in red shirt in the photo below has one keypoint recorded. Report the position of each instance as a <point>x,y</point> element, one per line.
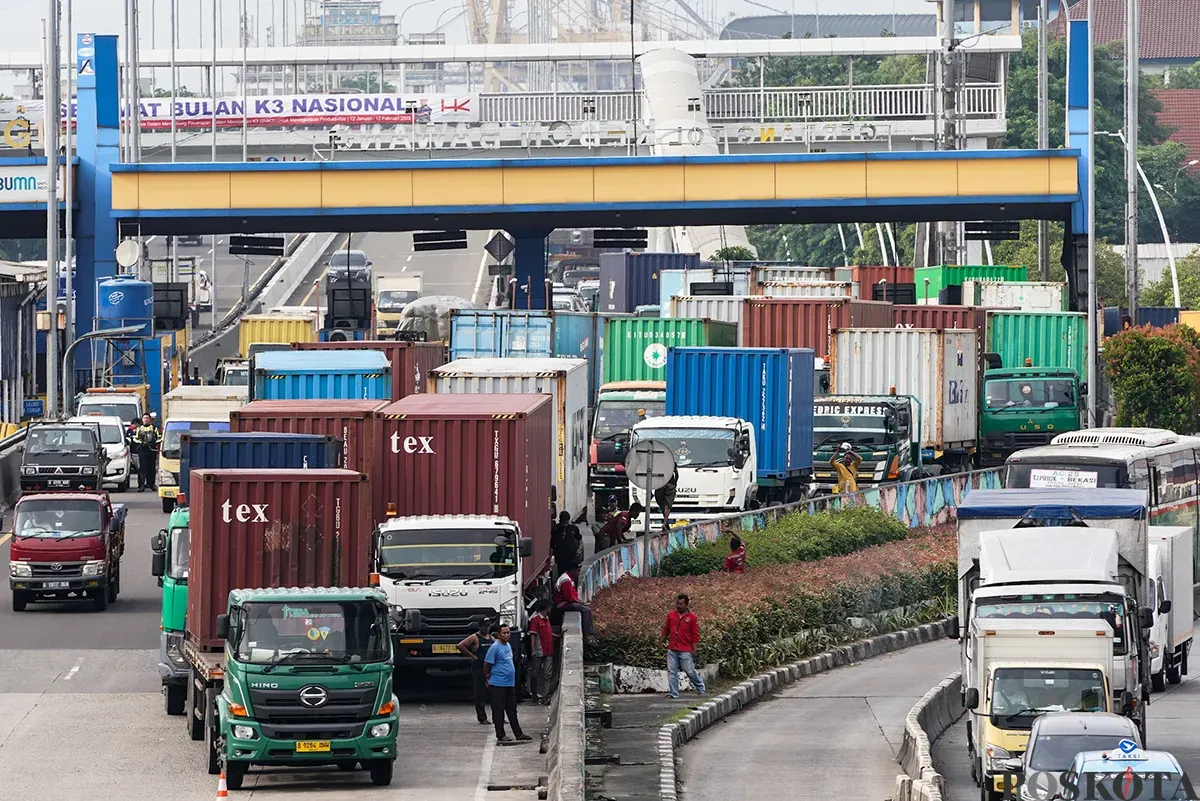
<point>736,561</point>
<point>566,599</point>
<point>681,631</point>
<point>613,532</point>
<point>541,654</point>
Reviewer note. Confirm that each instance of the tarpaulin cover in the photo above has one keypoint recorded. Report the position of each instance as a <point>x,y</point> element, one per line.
<point>1054,504</point>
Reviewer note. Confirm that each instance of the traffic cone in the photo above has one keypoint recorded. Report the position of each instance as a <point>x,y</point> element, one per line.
<point>222,788</point>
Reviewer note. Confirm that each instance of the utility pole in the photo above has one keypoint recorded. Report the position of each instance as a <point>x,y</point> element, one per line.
<point>1043,90</point>
<point>1131,153</point>
<point>947,133</point>
<point>52,124</point>
<point>136,96</point>
<point>69,196</point>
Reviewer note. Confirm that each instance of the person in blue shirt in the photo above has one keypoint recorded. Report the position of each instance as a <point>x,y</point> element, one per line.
<point>500,672</point>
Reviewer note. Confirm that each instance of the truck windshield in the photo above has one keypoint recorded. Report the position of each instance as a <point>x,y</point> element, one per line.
<point>75,440</point>
<point>55,519</point>
<point>447,554</point>
<point>1059,473</point>
<point>128,411</point>
<point>1019,695</point>
<point>396,298</point>
<point>832,430</point>
<point>178,567</point>
<point>1110,609</point>
<point>615,417</point>
<point>170,443</point>
<point>236,377</point>
<point>323,632</point>
<point>695,447</point>
<point>1045,393</point>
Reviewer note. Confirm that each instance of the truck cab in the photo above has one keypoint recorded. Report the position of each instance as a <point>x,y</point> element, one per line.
<point>66,547</point>
<point>63,457</point>
<point>191,408</point>
<point>443,575</point>
<point>620,405</point>
<point>169,564</point>
<point>1024,407</point>
<point>128,403</point>
<point>716,458</point>
<point>394,295</point>
<point>883,430</point>
<point>233,372</point>
<point>307,682</point>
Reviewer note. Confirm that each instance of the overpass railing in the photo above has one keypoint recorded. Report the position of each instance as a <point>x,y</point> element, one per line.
<point>752,104</point>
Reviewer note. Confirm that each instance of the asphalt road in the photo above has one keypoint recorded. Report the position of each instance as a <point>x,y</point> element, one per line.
<point>81,712</point>
<point>831,736</point>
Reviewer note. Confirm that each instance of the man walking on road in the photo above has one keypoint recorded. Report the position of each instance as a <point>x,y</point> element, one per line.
<point>681,631</point>
<point>501,673</point>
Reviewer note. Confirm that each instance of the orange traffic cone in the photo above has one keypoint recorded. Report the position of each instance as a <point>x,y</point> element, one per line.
<point>222,788</point>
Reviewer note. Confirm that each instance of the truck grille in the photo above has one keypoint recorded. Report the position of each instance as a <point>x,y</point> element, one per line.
<point>64,570</point>
<point>283,717</point>
<point>59,470</point>
<point>453,621</point>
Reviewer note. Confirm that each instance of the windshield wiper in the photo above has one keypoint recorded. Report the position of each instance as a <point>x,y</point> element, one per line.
<point>1038,710</point>
<point>283,659</point>
<point>490,575</point>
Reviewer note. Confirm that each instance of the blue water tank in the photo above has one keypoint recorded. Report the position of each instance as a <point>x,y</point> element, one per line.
<point>123,300</point>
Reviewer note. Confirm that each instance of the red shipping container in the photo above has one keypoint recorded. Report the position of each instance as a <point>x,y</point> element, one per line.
<point>942,317</point>
<point>351,421</point>
<point>866,277</point>
<point>273,528</point>
<point>807,322</point>
<point>411,361</point>
<point>469,455</point>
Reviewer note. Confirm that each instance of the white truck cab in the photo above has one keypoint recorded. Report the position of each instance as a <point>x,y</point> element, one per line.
<point>716,458</point>
<point>1172,604</point>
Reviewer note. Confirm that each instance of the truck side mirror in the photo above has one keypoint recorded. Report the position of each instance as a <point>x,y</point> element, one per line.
<point>158,564</point>
<point>159,541</point>
<point>953,630</point>
<point>1164,607</point>
<point>739,461</point>
<point>1147,618</point>
<point>1127,703</point>
<point>412,620</point>
<point>972,698</point>
<point>1083,388</point>
<point>223,626</point>
<point>526,547</point>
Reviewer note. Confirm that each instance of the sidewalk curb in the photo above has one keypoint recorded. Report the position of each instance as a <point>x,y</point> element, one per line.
<point>673,735</point>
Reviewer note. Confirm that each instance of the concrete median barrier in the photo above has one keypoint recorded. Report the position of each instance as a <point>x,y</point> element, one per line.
<point>11,449</point>
<point>926,722</point>
<point>567,718</point>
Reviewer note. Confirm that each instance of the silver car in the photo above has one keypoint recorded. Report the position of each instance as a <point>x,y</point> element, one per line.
<point>1057,737</point>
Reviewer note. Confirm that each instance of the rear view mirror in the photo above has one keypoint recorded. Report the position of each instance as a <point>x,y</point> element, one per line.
<point>158,564</point>
<point>952,631</point>
<point>159,541</point>
<point>223,626</point>
<point>1147,618</point>
<point>971,701</point>
<point>526,548</point>
<point>412,620</point>
<point>1083,388</point>
<point>1127,703</point>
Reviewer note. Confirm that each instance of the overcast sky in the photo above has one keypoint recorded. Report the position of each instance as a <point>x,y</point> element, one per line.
<point>23,19</point>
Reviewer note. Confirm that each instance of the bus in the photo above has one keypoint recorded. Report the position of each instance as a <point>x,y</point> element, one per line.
<point>1162,462</point>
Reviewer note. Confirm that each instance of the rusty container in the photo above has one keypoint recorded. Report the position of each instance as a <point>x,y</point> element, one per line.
<point>351,421</point>
<point>411,361</point>
<point>942,318</point>
<point>807,322</point>
<point>866,277</point>
<point>272,528</point>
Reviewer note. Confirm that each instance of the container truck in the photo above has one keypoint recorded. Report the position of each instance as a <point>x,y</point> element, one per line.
<point>1024,669</point>
<point>1023,295</point>
<point>297,536</point>
<point>725,308</point>
<point>636,348</point>
<point>769,393</point>
<point>807,322</point>
<point>276,329</point>
<point>410,361</point>
<point>233,372</point>
<point>128,403</point>
<point>937,368</point>
<point>352,422</point>
<point>1171,588</point>
<point>463,495</point>
<point>883,430</point>
<point>186,409</point>
<point>565,380</point>
<point>1024,407</point>
<point>619,407</point>
<point>323,375</point>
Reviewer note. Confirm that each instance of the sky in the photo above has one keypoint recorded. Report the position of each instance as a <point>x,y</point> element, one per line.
<point>23,19</point>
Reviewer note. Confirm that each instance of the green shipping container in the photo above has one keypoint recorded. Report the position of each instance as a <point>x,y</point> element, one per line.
<point>635,348</point>
<point>1048,339</point>
<point>950,275</point>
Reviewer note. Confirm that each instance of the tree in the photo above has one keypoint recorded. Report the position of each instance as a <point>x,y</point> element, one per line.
<point>180,91</point>
<point>831,70</point>
<point>821,244</point>
<point>1162,291</point>
<point>1110,266</point>
<point>1155,375</point>
<point>734,253</point>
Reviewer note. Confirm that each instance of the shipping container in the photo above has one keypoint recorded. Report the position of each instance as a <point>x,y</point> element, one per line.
<point>252,529</point>
<point>807,323</point>
<point>771,388</point>
<point>806,289</point>
<point>202,402</point>
<point>488,333</point>
<point>867,276</point>
<point>636,348</point>
<point>352,422</point>
<point>629,280</point>
<point>892,293</point>
<point>687,282</point>
<point>410,361</point>
<point>725,308</point>
<point>563,379</point>
<point>469,454</point>
<point>938,368</point>
<point>1023,295</point>
<point>1153,316</point>
<point>276,329</point>
<point>787,274</point>
<point>939,318</point>
<point>346,375</point>
<point>225,450</point>
<point>931,281</point>
<point>1190,318</point>
<point>1047,339</point>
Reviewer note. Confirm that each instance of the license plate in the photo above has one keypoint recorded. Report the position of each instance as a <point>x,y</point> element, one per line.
<point>445,649</point>
<point>56,585</point>
<point>57,483</point>
<point>312,746</point>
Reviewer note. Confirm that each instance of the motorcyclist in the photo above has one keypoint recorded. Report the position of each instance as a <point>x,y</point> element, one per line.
<point>146,438</point>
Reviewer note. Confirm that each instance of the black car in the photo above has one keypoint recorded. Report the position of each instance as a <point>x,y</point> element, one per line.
<point>349,267</point>
<point>65,457</point>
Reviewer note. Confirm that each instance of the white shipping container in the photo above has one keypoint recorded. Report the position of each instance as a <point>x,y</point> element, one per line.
<point>775,273</point>
<point>1023,295</point>
<point>806,289</point>
<point>727,308</point>
<point>196,403</point>
<point>679,282</point>
<point>938,368</point>
<point>565,380</point>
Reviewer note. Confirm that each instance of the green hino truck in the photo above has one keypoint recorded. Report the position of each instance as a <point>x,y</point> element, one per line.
<point>1024,407</point>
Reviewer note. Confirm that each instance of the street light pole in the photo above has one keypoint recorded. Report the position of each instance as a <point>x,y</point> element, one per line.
<point>1043,90</point>
<point>1093,344</point>
<point>68,377</point>
<point>53,104</point>
<point>107,333</point>
<point>1131,152</point>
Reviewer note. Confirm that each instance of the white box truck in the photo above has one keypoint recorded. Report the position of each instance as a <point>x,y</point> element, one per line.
<point>191,408</point>
<point>566,381</point>
<point>1171,587</point>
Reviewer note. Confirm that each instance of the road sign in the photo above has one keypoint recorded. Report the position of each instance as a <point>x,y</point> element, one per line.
<point>992,231</point>
<point>499,246</point>
<point>499,269</point>
<point>33,408</point>
<point>439,240</point>
<point>256,246</point>
<point>620,238</point>
<point>85,67</point>
<point>650,464</point>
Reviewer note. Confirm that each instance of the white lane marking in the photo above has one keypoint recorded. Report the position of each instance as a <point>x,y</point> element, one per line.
<point>485,768</point>
<point>408,257</point>
<point>210,252</point>
<point>148,241</point>
<point>71,673</point>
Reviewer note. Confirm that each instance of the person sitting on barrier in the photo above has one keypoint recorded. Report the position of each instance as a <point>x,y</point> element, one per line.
<point>566,599</point>
<point>613,532</point>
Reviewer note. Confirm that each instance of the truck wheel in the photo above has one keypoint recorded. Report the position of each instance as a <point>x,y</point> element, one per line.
<point>168,505</point>
<point>212,737</point>
<point>20,600</point>
<point>235,774</point>
<point>112,588</point>
<point>381,771</point>
<point>174,698</point>
<point>1173,675</point>
<point>100,599</point>
<point>124,485</point>
<point>195,711</point>
<point>1158,681</point>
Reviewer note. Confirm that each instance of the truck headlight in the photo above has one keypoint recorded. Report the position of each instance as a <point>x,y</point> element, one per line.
<point>997,757</point>
<point>165,477</point>
<point>20,570</point>
<point>87,470</point>
<point>381,730</point>
<point>93,568</point>
<point>175,648</point>
<point>605,468</point>
<point>245,732</point>
<point>29,471</point>
<point>508,613</point>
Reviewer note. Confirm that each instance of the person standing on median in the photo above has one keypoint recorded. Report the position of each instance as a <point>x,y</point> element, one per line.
<point>476,647</point>
<point>500,671</point>
<point>736,561</point>
<point>681,631</point>
<point>541,653</point>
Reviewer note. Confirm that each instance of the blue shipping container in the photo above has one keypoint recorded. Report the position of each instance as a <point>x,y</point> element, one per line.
<point>323,375</point>
<point>629,280</point>
<point>1153,316</point>
<point>771,388</point>
<point>223,450</point>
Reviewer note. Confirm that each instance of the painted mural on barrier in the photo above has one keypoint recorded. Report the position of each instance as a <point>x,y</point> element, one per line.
<point>927,502</point>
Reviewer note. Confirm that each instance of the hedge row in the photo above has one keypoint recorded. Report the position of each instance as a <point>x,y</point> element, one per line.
<point>742,616</point>
<point>797,537</point>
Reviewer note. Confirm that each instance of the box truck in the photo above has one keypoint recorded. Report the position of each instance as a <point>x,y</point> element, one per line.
<point>185,409</point>
<point>1171,586</point>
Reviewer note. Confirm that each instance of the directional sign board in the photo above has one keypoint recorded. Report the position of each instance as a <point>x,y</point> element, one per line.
<point>256,245</point>
<point>439,240</point>
<point>650,462</point>
<point>499,246</point>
